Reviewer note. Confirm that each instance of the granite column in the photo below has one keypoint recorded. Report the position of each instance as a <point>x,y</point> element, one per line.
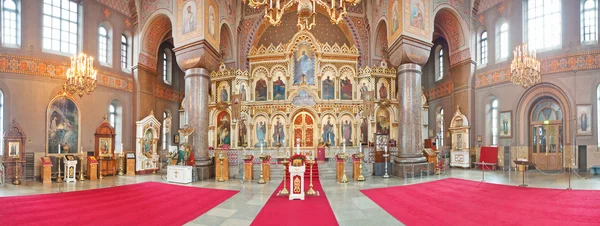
<point>197,82</point>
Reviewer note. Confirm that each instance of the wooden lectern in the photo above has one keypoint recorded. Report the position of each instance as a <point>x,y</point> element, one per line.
<point>221,165</point>
<point>340,164</point>
<point>525,165</point>
<point>248,167</point>
<point>130,164</point>
<point>92,168</point>
<point>266,168</point>
<point>46,170</point>
<point>355,167</point>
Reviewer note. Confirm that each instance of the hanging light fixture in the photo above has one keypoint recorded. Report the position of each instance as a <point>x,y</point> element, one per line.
<point>525,68</point>
<point>274,10</point>
<point>81,76</point>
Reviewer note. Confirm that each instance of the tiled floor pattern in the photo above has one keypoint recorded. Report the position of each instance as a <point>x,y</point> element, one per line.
<point>350,206</point>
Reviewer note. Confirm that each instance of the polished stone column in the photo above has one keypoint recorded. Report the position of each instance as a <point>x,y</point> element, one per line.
<point>197,82</point>
<point>410,143</point>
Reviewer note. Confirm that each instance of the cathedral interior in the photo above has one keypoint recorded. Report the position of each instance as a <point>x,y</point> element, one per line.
<point>241,100</point>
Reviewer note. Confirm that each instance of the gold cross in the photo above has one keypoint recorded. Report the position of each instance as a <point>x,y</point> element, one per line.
<point>176,172</point>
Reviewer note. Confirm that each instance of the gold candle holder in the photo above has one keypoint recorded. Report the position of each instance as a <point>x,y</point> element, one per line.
<point>121,173</point>
<point>221,157</point>
<point>81,176</point>
<point>262,158</point>
<point>100,168</point>
<point>16,181</point>
<point>311,191</point>
<point>360,156</point>
<point>59,179</point>
<point>344,178</point>
<point>284,191</point>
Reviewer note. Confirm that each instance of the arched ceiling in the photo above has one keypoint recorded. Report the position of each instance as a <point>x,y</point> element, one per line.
<point>325,31</point>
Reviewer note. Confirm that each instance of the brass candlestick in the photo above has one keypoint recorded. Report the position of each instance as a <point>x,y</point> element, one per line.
<point>284,191</point>
<point>100,168</point>
<point>360,156</point>
<point>221,157</point>
<point>311,191</point>
<point>59,179</point>
<point>344,178</point>
<point>81,177</point>
<point>386,155</point>
<point>121,164</point>
<point>156,165</point>
<point>262,179</point>
<point>17,181</point>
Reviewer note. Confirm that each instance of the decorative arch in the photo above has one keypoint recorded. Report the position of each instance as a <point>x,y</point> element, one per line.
<point>530,98</point>
<point>152,35</point>
<point>381,38</point>
<point>301,37</point>
<point>449,25</point>
<point>226,42</point>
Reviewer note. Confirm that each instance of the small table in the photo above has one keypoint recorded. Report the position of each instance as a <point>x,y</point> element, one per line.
<point>524,163</point>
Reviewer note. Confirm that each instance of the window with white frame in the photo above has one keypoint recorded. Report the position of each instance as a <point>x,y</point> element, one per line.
<point>103,45</point>
<point>112,114</point>
<point>543,23</point>
<point>115,112</point>
<point>440,64</point>
<point>494,126</point>
<point>165,133</point>
<point>503,41</point>
<point>167,62</point>
<point>11,23</point>
<point>60,26</point>
<point>483,43</point>
<point>589,21</point>
<point>124,49</point>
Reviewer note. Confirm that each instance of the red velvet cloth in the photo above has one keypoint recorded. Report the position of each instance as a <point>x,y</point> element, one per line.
<point>488,155</point>
<point>321,154</point>
<point>463,202</point>
<point>150,203</point>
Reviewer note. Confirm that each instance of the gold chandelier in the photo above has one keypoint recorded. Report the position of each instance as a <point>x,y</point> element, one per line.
<point>525,68</point>
<point>274,10</point>
<point>81,76</point>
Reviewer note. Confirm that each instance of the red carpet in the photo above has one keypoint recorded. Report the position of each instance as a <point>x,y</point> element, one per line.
<point>148,203</point>
<point>462,202</point>
<point>314,210</point>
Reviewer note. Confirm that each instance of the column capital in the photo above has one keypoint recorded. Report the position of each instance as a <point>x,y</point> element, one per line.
<point>409,68</point>
<point>200,54</point>
<point>407,49</point>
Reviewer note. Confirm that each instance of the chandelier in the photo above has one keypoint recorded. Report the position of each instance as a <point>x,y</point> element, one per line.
<point>525,68</point>
<point>81,76</point>
<point>274,10</point>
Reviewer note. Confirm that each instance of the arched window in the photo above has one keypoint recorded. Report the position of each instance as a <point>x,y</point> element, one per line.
<point>440,126</point>
<point>112,114</point>
<point>440,63</point>
<point>494,121</point>
<point>589,22</point>
<point>503,41</point>
<point>543,24</point>
<point>1,121</point>
<point>167,64</point>
<point>60,26</point>
<point>483,43</point>
<point>11,21</point>
<point>124,55</point>
<point>103,45</point>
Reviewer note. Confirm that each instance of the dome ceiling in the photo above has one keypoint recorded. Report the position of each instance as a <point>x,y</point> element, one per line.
<point>325,31</point>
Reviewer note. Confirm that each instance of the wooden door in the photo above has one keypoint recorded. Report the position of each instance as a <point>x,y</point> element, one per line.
<point>546,146</point>
<point>304,130</point>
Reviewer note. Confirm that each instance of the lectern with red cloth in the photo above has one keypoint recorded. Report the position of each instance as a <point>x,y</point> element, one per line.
<point>488,155</point>
<point>321,154</point>
<point>46,170</point>
<point>248,167</point>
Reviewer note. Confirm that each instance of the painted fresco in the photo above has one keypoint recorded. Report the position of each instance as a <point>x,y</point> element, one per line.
<point>303,99</point>
<point>346,124</point>
<point>346,89</point>
<point>382,92</point>
<point>383,121</point>
<point>328,134</point>
<point>63,126</point>
<point>223,129</point>
<point>188,16</point>
<point>328,90</point>
<point>278,89</point>
<point>261,131</point>
<point>261,90</point>
<point>278,130</point>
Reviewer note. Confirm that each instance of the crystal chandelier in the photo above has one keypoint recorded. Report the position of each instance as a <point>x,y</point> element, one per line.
<point>525,68</point>
<point>81,76</point>
<point>274,10</point>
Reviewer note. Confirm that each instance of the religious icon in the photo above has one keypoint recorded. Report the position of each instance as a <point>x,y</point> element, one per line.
<point>211,20</point>
<point>304,65</point>
<point>383,122</point>
<point>223,129</point>
<point>395,18</point>
<point>148,142</point>
<point>584,118</point>
<point>383,91</point>
<point>243,92</point>
<point>224,95</point>
<point>347,132</point>
<point>13,149</point>
<point>105,146</point>
<point>278,89</point>
<point>242,132</point>
<point>71,172</point>
<point>505,126</point>
<point>189,17</point>
<point>416,13</point>
<point>363,90</point>
<point>328,133</point>
<point>346,89</point>
<point>278,133</point>
<point>261,90</point>
<point>261,130</point>
<point>328,92</point>
<point>364,130</point>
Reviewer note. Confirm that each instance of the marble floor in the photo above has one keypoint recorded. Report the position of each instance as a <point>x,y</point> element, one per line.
<point>349,205</point>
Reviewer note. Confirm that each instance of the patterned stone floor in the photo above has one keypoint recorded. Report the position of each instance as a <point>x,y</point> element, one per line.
<point>350,206</point>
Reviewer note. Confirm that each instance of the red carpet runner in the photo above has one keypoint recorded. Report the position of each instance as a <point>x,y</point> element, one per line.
<point>314,210</point>
<point>462,202</point>
<point>148,203</point>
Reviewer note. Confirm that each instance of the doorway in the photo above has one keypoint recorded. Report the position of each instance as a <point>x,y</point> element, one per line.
<point>304,127</point>
<point>546,140</point>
